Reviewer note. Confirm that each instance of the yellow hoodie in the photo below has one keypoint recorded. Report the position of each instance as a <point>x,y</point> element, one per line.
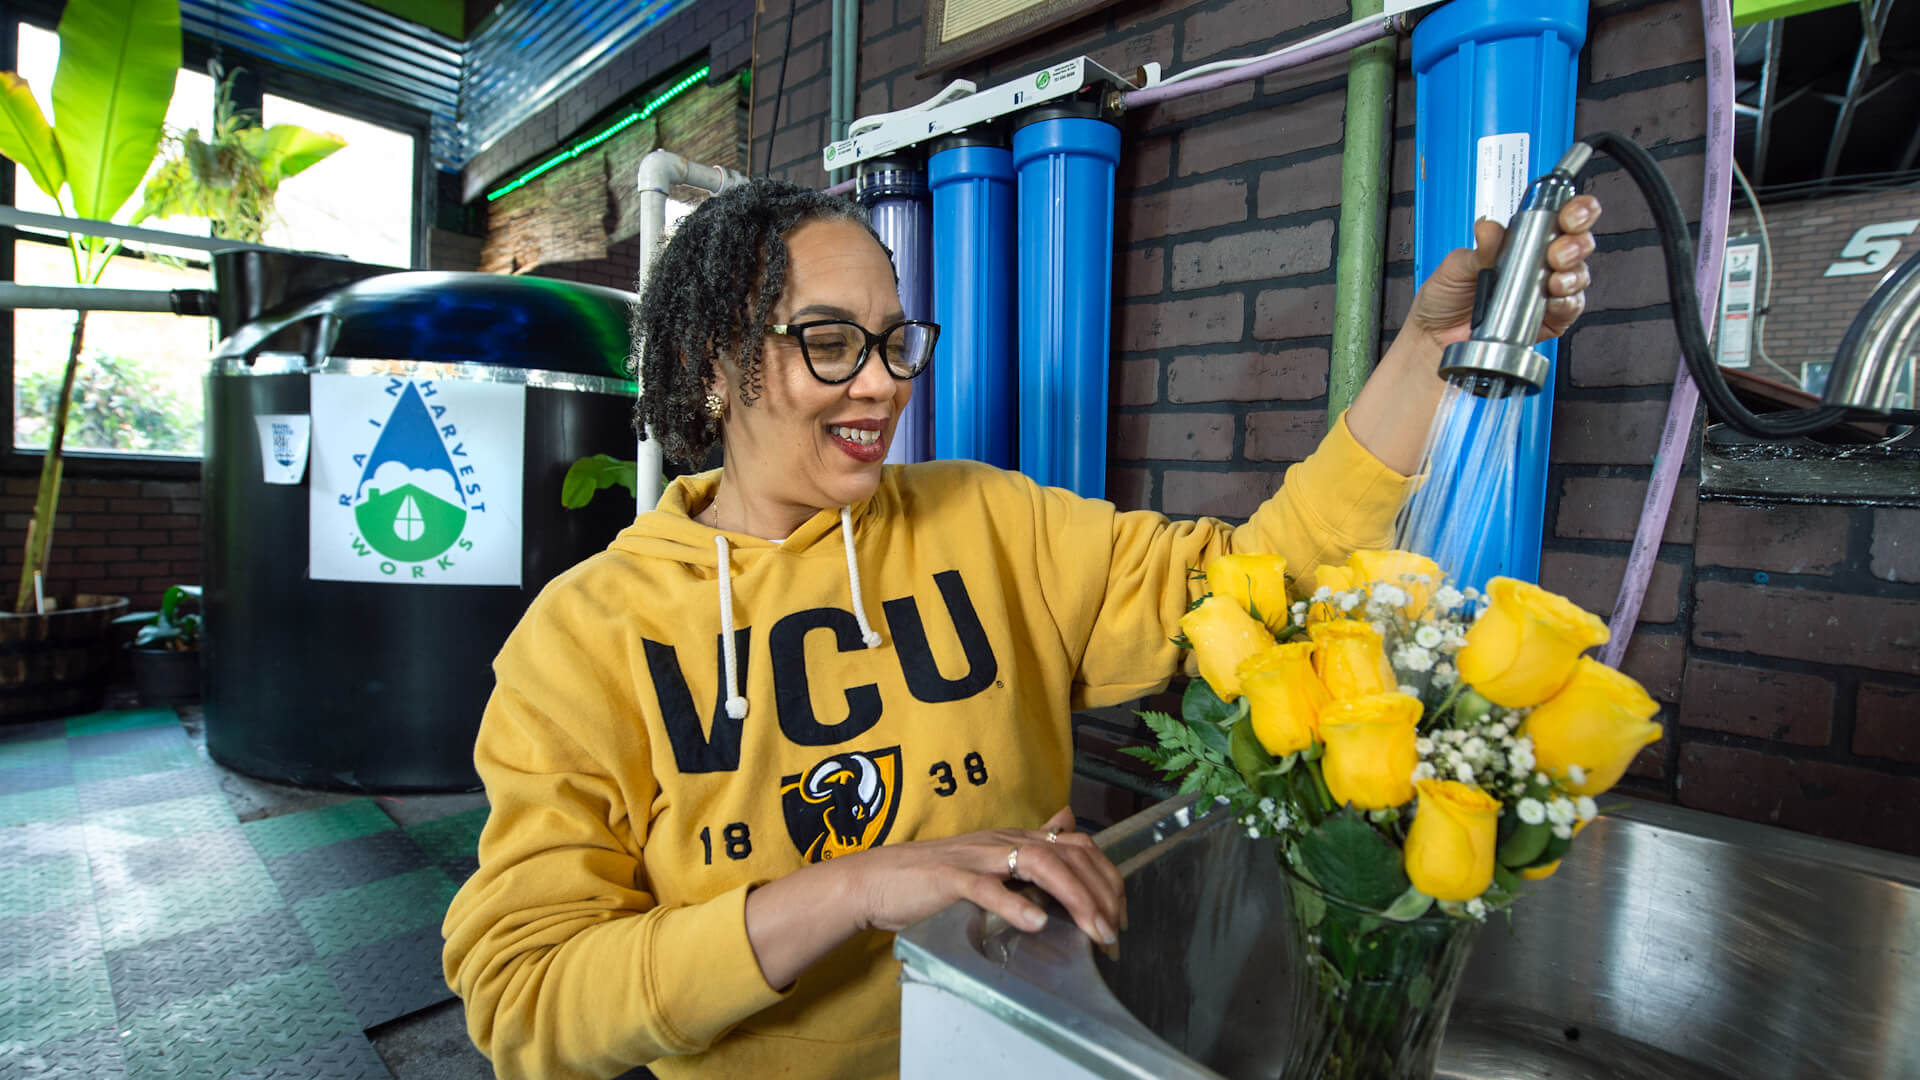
<point>631,812</point>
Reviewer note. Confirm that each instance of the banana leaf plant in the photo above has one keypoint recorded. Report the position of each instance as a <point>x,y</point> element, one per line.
<point>111,89</point>
<point>118,59</point>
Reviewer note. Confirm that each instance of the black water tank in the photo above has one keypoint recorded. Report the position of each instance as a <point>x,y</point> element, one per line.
<point>379,686</point>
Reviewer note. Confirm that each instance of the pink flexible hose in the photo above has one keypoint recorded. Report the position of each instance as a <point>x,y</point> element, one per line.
<point>1678,431</point>
<point>1354,36</point>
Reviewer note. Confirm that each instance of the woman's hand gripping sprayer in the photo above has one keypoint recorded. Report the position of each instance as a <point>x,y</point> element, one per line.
<point>1395,408</point>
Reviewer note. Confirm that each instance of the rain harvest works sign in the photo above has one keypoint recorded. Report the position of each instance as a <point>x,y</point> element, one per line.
<point>416,480</point>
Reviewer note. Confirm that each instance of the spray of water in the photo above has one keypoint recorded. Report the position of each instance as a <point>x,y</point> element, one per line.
<point>1467,477</point>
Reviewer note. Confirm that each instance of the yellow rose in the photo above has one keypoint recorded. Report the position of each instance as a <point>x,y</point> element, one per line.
<point>1598,721</point>
<point>1285,697</point>
<point>1351,659</point>
<point>1337,578</point>
<point>1370,753</point>
<point>1399,568</point>
<point>1521,650</point>
<point>1545,870</point>
<point>1258,583</point>
<point>1450,845</point>
<point>1223,636</point>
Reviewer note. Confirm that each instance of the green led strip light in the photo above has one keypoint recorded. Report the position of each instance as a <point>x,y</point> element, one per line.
<point>617,126</point>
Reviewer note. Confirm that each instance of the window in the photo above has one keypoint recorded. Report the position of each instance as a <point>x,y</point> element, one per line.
<point>138,390</point>
<point>138,387</point>
<point>358,202</point>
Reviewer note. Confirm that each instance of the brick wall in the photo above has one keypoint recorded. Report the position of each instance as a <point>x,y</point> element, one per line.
<point>1810,311</point>
<point>118,537</point>
<point>1225,239</point>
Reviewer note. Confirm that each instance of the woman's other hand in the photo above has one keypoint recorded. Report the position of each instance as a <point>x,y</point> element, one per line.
<point>896,885</point>
<point>1443,308</point>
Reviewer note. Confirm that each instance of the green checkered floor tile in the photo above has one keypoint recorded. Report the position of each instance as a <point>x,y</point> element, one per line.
<point>41,1004</point>
<point>150,935</point>
<point>450,838</point>
<point>239,1028</point>
<point>31,887</point>
<point>290,833</point>
<point>45,804</point>
<point>120,720</point>
<point>22,755</point>
<point>350,918</point>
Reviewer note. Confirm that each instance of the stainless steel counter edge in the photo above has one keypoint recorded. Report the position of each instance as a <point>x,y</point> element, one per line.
<point>293,364</point>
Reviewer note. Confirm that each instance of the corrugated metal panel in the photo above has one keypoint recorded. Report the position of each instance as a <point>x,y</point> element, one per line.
<point>528,55</point>
<point>351,44</point>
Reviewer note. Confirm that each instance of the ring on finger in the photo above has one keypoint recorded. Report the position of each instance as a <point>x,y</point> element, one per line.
<point>1013,862</point>
<point>1053,836</point>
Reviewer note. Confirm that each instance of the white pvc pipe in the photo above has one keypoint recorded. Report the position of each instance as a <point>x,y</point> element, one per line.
<point>659,171</point>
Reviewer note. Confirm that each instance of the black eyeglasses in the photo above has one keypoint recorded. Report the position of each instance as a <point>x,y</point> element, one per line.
<point>834,349</point>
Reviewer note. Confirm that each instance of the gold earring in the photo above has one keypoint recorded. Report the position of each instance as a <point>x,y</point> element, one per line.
<point>716,406</point>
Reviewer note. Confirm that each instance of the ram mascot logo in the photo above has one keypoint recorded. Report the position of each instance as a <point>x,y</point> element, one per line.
<point>842,805</point>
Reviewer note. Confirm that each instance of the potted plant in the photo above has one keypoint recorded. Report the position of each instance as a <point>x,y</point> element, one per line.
<point>166,650</point>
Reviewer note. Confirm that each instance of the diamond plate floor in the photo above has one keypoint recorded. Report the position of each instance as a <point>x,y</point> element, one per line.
<point>148,932</point>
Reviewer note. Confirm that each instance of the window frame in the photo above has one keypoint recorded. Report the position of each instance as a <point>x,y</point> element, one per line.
<point>259,78</point>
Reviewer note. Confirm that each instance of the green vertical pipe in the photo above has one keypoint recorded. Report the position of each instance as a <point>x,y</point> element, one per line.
<point>1363,214</point>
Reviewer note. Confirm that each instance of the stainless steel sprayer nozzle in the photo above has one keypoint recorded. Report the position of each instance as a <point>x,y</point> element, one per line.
<point>1501,349</point>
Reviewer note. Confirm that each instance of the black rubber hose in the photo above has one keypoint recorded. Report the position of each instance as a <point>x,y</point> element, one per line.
<point>1677,244</point>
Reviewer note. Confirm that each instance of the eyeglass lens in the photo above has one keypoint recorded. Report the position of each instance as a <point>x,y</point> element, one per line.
<point>833,349</point>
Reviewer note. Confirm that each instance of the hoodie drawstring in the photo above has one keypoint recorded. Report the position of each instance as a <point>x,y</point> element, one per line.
<point>867,632</point>
<point>736,701</point>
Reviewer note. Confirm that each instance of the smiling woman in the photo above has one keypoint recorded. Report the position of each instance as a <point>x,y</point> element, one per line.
<point>722,774</point>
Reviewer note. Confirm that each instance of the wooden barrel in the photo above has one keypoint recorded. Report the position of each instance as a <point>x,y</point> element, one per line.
<point>56,664</point>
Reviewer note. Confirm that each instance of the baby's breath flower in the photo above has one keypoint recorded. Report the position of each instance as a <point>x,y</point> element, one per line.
<point>1560,811</point>
<point>1423,771</point>
<point>1266,806</point>
<point>1391,595</point>
<point>1576,774</point>
<point>1563,832</point>
<point>1447,597</point>
<point>1322,594</point>
<point>1348,601</point>
<point>1444,675</point>
<point>1475,747</point>
<point>1477,908</point>
<point>1409,690</point>
<point>1584,806</point>
<point>1532,812</point>
<point>1427,637</point>
<point>1423,746</point>
<point>1413,658</point>
<point>1463,772</point>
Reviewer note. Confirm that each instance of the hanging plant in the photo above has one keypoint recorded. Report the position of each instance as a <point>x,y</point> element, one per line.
<point>231,175</point>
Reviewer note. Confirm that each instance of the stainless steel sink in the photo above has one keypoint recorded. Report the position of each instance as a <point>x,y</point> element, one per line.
<point>1671,944</point>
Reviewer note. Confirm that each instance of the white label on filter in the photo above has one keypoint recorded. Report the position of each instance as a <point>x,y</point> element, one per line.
<point>283,447</point>
<point>1500,176</point>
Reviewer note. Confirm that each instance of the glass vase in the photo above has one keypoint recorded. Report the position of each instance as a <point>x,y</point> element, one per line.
<point>1370,995</point>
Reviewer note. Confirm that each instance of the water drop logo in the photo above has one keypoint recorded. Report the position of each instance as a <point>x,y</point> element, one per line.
<point>410,505</point>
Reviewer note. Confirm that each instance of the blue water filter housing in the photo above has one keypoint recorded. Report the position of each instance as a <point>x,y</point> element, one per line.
<point>895,193</point>
<point>972,181</point>
<point>1496,82</point>
<point>1066,166</point>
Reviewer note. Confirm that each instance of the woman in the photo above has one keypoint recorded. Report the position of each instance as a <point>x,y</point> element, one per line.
<point>808,701</point>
